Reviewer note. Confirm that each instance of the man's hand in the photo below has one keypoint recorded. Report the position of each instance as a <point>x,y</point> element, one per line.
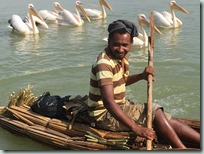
<point>145,132</point>
<point>148,70</point>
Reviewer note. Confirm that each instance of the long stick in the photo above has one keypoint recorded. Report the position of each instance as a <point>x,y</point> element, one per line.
<point>150,78</point>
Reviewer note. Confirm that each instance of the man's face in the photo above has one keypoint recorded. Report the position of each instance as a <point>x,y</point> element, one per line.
<point>120,44</point>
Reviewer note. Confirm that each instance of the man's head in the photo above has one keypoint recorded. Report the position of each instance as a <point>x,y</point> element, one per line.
<point>123,26</point>
<point>121,33</point>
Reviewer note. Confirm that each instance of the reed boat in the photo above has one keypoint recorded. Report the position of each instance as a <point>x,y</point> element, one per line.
<point>17,117</point>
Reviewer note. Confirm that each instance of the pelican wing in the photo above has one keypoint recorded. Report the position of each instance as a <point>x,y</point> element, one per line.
<point>138,42</point>
<point>167,16</point>
<point>49,16</point>
<point>18,25</point>
<point>68,18</point>
<point>160,20</point>
<point>93,13</point>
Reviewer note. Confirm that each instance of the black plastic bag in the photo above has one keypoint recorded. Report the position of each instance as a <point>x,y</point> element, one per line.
<point>50,106</point>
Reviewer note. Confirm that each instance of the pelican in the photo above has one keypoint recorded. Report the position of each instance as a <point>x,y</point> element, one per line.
<point>68,18</point>
<point>27,25</point>
<point>141,41</point>
<point>98,14</point>
<point>169,20</point>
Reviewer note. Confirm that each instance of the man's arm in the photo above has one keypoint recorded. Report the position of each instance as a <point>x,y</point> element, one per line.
<point>115,110</point>
<point>142,76</point>
<point>134,78</point>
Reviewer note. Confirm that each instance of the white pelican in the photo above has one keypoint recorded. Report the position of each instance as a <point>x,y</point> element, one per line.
<point>28,25</point>
<point>98,14</point>
<point>169,20</point>
<point>68,18</point>
<point>141,41</point>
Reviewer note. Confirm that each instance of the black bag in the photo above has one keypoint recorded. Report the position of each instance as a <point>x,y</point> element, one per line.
<point>50,106</point>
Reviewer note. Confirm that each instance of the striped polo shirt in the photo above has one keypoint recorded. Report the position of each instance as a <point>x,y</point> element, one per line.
<point>106,71</point>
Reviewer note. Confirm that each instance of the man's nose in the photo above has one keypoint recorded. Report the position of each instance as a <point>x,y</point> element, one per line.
<point>121,49</point>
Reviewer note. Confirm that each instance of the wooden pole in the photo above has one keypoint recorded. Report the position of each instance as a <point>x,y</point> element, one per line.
<point>150,79</point>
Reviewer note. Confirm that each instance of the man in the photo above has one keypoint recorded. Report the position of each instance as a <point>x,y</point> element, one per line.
<point>108,107</point>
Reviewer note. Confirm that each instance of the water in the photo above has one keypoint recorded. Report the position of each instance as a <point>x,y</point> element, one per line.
<point>58,60</point>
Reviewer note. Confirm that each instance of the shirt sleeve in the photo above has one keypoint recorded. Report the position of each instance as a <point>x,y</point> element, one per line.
<point>104,73</point>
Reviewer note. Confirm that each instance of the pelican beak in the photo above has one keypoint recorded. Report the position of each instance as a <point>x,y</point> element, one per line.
<point>35,16</point>
<point>31,12</point>
<point>104,3</point>
<point>175,6</point>
<point>81,9</point>
<point>34,13</point>
<point>157,30</point>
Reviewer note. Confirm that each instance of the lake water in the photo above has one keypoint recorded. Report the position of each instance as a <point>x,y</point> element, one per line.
<point>58,60</point>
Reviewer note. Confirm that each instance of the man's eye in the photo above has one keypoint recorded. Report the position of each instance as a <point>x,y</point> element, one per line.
<point>116,45</point>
